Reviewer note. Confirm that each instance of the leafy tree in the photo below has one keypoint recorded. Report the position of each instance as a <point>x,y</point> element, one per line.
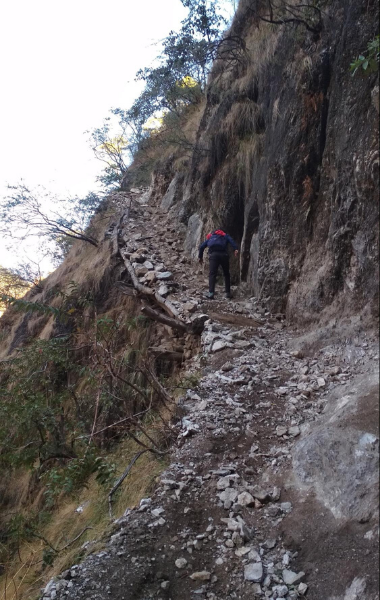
<point>26,212</point>
<point>112,150</point>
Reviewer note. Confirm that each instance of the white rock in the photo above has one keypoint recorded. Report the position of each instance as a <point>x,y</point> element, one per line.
<point>181,563</point>
<point>201,576</point>
<point>165,276</point>
<point>163,290</point>
<point>254,555</point>
<point>281,430</point>
<point>223,483</point>
<point>279,591</point>
<point>302,588</point>
<point>242,551</point>
<point>229,495</point>
<point>294,430</point>
<point>253,572</point>
<point>219,345</point>
<point>245,499</point>
<point>290,577</point>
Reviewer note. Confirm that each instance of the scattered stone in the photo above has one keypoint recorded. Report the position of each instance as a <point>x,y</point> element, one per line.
<point>254,555</point>
<point>141,270</point>
<point>242,551</point>
<point>282,391</point>
<point>181,563</point>
<point>281,430</point>
<point>302,588</point>
<point>256,589</point>
<point>286,507</point>
<point>201,576</point>
<point>253,572</point>
<point>148,265</point>
<point>164,276</point>
<point>136,258</point>
<point>260,493</point>
<point>190,307</point>
<point>280,591</point>
<point>220,345</point>
<point>227,367</point>
<point>223,483</point>
<point>228,496</point>
<point>294,431</point>
<point>290,577</point>
<point>150,277</point>
<point>163,290</point>
<point>245,499</point>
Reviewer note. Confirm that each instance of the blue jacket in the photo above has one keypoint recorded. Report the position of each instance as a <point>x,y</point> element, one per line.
<point>217,243</point>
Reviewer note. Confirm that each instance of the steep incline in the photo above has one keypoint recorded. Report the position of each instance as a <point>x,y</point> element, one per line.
<point>265,496</point>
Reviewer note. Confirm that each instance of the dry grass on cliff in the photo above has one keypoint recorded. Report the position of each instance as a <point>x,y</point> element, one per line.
<point>25,575</point>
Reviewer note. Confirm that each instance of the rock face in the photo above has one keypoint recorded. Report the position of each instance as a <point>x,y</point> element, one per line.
<point>304,207</point>
<point>338,458</point>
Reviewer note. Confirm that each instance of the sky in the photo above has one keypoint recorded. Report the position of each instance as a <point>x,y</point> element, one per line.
<point>63,65</point>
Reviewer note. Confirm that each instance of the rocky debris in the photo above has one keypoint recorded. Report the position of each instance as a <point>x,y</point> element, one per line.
<point>213,527</point>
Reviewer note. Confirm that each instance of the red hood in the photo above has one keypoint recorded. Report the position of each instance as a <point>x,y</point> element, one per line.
<point>217,232</point>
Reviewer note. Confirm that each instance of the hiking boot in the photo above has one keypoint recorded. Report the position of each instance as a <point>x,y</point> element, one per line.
<point>228,295</point>
<point>210,295</point>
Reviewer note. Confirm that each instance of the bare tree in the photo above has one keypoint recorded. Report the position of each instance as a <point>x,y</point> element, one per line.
<point>25,212</point>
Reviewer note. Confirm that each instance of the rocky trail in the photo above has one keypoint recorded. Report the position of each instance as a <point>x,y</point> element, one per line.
<point>259,500</point>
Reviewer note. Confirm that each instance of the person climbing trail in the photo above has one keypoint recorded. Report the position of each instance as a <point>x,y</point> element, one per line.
<point>217,244</point>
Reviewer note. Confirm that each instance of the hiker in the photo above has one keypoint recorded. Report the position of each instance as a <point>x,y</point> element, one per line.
<point>217,244</point>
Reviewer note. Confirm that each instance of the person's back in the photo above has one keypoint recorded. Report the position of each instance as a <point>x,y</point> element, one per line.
<point>217,243</point>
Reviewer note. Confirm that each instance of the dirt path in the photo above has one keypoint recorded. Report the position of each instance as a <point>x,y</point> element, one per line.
<point>223,523</point>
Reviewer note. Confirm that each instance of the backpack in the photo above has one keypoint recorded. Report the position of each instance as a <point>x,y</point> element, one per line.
<point>217,241</point>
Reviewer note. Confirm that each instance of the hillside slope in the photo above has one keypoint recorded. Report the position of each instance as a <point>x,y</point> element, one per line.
<point>246,429</point>
<point>264,496</point>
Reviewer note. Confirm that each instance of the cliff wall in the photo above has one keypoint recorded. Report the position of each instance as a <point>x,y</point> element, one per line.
<point>286,160</point>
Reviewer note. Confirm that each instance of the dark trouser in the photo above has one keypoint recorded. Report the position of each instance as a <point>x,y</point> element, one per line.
<point>222,259</point>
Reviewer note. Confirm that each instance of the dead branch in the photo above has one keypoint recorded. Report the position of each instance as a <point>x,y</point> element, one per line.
<point>144,290</point>
<point>159,389</point>
<point>164,354</point>
<point>127,470</point>
<point>174,323</point>
<point>58,550</point>
<point>121,479</point>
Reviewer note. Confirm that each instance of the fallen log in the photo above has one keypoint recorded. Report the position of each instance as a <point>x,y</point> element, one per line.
<point>165,354</point>
<point>156,316</point>
<point>166,305</point>
<point>115,235</point>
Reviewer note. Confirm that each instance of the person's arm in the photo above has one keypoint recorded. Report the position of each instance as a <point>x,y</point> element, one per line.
<point>202,248</point>
<point>233,244</point>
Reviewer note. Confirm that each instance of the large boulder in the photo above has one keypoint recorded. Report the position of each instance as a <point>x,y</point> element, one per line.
<point>338,457</point>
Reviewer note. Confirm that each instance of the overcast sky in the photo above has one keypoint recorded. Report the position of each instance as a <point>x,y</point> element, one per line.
<point>63,65</point>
